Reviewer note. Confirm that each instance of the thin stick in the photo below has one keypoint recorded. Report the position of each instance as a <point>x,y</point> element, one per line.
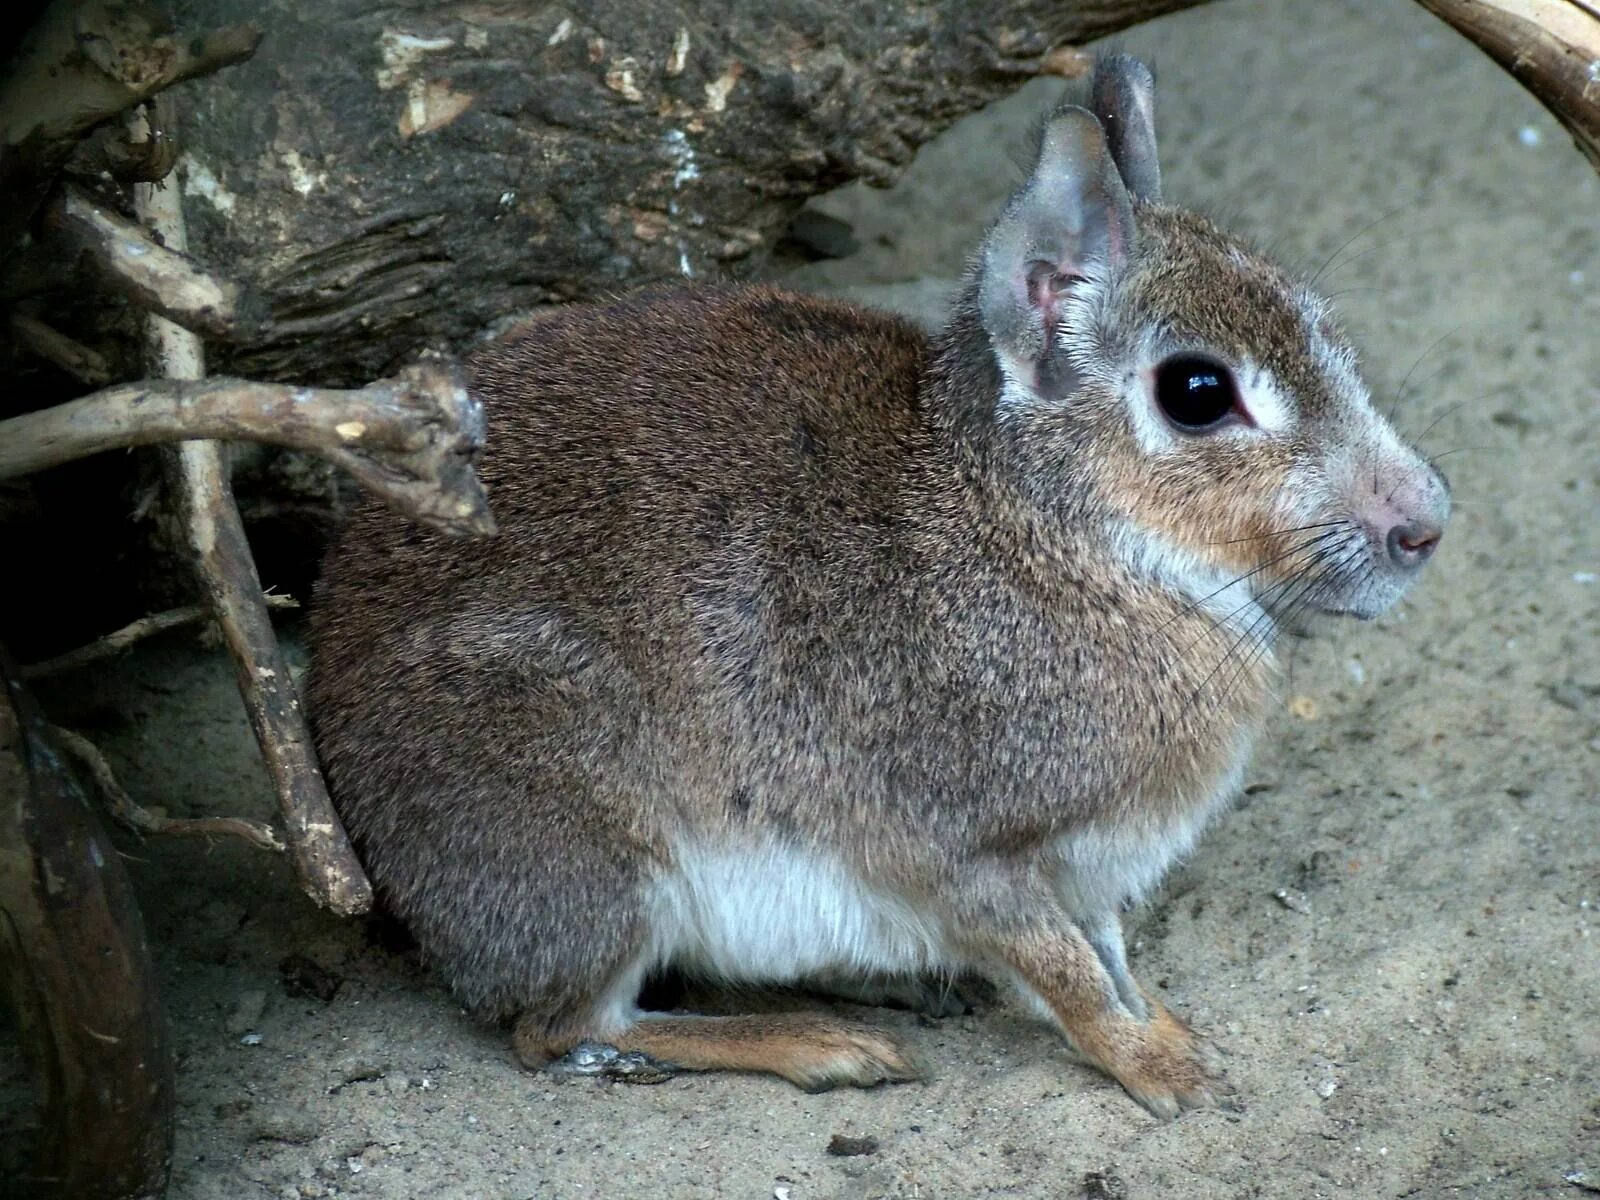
<point>114,643</point>
<point>328,868</point>
<point>73,357</point>
<point>140,819</point>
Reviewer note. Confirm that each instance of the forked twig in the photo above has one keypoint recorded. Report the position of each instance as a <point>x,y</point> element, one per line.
<point>411,440</point>
<point>140,819</point>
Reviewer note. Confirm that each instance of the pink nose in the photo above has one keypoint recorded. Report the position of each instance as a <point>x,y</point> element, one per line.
<point>1412,543</point>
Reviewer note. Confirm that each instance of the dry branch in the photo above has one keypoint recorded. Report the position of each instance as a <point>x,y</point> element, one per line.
<point>81,65</point>
<point>1551,47</point>
<point>140,819</point>
<point>115,643</point>
<point>328,868</point>
<point>411,440</point>
<point>155,277</point>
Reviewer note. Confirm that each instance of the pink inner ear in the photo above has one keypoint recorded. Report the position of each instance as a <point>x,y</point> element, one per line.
<point>1046,285</point>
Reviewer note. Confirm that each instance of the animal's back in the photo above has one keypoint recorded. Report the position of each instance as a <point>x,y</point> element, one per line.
<point>629,435</point>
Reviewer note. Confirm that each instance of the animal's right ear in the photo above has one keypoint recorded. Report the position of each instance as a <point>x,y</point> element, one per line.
<point>1073,211</point>
<point>1123,96</point>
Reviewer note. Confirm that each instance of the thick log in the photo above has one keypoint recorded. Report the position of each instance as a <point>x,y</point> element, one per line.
<point>452,165</point>
<point>74,964</point>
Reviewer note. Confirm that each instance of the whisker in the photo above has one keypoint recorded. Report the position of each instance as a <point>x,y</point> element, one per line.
<point>1261,537</point>
<point>1311,586</point>
<point>1256,570</point>
<point>1344,245</point>
<point>1452,408</point>
<point>1400,392</point>
<point>1432,461</point>
<point>1264,613</point>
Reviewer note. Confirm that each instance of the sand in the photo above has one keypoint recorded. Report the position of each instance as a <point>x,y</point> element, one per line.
<point>1393,936</point>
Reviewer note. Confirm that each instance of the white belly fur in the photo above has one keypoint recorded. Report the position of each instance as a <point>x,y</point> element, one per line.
<point>764,911</point>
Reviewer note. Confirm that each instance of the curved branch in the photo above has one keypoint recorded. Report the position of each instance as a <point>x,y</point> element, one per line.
<point>1551,47</point>
<point>115,643</point>
<point>136,817</point>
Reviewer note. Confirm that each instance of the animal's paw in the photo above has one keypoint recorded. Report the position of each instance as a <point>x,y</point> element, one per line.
<point>838,1054</point>
<point>1167,1067</point>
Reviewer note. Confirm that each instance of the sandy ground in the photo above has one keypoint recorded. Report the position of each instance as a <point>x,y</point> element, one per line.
<point>1419,1019</point>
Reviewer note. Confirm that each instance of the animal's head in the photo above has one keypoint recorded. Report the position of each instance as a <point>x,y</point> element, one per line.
<point>1193,394</point>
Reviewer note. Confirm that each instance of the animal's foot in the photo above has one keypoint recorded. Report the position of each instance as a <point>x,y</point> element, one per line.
<point>1166,1066</point>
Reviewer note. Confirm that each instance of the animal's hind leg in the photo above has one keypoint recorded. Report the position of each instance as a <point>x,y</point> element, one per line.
<point>812,1051</point>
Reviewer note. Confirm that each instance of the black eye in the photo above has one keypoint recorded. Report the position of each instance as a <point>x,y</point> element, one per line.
<point>1195,393</point>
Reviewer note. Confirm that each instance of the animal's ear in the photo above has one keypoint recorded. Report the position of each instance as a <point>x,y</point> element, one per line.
<point>1073,211</point>
<point>1123,96</point>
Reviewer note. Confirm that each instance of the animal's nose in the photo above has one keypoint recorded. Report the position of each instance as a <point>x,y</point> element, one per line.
<point>1411,544</point>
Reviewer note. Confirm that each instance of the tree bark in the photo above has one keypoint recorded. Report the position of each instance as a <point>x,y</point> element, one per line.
<point>447,166</point>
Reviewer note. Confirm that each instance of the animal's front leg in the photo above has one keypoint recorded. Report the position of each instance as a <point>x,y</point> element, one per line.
<point>1103,932</point>
<point>1080,977</point>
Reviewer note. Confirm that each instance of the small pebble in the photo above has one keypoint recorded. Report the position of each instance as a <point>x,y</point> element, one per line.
<point>250,1039</point>
<point>1292,900</point>
<point>1327,1086</point>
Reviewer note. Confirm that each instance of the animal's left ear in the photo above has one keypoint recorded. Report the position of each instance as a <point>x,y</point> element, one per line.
<point>1072,214</point>
<point>1123,97</point>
